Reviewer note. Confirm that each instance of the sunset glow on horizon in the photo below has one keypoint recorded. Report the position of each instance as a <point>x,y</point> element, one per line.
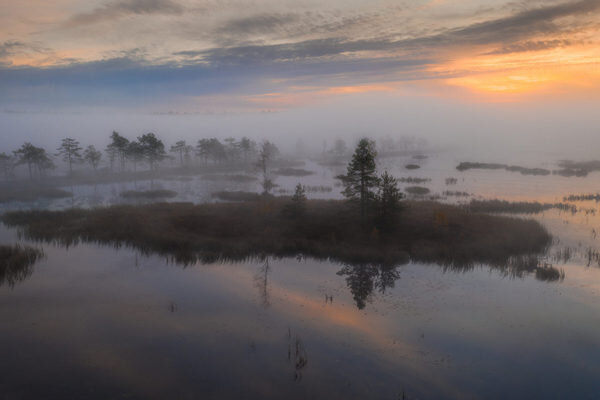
<point>276,55</point>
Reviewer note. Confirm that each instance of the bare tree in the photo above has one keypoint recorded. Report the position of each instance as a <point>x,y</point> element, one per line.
<point>266,153</point>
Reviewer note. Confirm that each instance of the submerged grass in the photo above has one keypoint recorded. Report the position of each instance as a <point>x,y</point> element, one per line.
<point>464,166</point>
<point>583,197</point>
<point>519,207</point>
<point>16,263</point>
<point>413,180</point>
<point>425,231</point>
<point>292,172</point>
<point>568,168</point>
<point>417,190</point>
<point>239,195</point>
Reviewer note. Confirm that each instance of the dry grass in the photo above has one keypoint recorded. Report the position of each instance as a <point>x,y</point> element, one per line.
<point>425,231</point>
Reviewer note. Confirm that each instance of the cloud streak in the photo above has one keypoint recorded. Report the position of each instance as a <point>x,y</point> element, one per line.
<point>123,8</point>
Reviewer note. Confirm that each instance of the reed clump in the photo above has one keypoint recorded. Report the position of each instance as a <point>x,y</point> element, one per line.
<point>16,263</point>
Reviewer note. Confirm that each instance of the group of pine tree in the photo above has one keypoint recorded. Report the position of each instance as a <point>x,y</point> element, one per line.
<point>122,152</point>
<point>375,196</point>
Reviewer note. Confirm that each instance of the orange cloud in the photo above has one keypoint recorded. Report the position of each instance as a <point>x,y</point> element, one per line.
<point>552,72</point>
<point>303,95</point>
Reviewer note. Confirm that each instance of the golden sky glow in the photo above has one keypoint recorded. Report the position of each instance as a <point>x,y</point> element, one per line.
<point>280,54</point>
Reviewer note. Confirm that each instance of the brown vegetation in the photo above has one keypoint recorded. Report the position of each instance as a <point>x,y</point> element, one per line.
<point>425,231</point>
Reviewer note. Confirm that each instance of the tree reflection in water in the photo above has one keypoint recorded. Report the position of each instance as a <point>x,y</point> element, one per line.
<point>363,279</point>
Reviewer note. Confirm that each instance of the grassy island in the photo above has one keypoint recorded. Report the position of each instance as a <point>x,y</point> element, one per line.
<point>329,229</point>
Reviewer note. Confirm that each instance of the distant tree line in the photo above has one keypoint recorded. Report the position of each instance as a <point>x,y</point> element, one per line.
<point>122,154</point>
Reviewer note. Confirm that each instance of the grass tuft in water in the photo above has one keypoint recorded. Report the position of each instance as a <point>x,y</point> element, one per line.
<point>16,263</point>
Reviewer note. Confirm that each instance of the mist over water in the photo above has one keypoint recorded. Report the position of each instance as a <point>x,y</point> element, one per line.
<point>521,133</point>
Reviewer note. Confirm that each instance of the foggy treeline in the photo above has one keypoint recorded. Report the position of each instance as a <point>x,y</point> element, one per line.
<point>149,152</point>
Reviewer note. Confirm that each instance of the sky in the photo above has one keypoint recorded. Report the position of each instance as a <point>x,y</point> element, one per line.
<point>366,63</point>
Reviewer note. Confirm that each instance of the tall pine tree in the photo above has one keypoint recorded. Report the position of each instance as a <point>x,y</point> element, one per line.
<point>361,176</point>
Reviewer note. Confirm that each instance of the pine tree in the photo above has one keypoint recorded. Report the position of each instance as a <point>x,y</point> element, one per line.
<point>118,148</point>
<point>34,157</point>
<point>179,148</point>
<point>70,151</point>
<point>153,149</point>
<point>388,201</point>
<point>92,156</point>
<point>297,207</point>
<point>361,178</point>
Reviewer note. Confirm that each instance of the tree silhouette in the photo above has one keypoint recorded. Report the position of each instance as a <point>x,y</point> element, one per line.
<point>34,157</point>
<point>7,163</point>
<point>118,149</point>
<point>266,153</point>
<point>92,156</point>
<point>135,153</point>
<point>180,149</point>
<point>388,201</point>
<point>297,207</point>
<point>339,147</point>
<point>202,149</point>
<point>247,147</point>
<point>70,151</point>
<point>153,149</point>
<point>361,178</point>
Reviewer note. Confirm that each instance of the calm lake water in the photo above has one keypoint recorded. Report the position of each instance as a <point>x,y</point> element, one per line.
<point>94,322</point>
